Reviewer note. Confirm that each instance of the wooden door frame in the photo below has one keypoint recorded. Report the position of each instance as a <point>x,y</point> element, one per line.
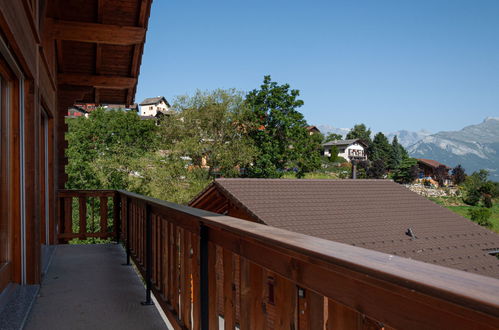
<point>12,188</point>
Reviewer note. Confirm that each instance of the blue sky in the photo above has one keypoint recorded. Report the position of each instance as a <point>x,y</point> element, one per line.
<point>391,64</point>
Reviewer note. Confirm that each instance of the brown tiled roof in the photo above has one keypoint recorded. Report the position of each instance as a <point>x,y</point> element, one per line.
<point>373,214</point>
<point>432,163</point>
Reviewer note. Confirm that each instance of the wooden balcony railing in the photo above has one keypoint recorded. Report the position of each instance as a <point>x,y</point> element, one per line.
<point>87,214</point>
<point>202,265</point>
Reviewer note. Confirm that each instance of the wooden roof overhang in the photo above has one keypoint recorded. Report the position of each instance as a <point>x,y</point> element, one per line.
<point>99,45</point>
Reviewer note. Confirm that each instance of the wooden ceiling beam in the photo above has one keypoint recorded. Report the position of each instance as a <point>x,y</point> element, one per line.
<point>98,33</point>
<point>96,81</point>
<point>98,59</point>
<point>100,10</point>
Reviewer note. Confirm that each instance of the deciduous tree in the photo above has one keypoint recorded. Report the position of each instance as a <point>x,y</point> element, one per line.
<point>279,132</point>
<point>360,131</point>
<point>458,175</point>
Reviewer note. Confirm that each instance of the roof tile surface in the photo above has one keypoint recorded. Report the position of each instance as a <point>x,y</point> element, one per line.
<point>373,214</point>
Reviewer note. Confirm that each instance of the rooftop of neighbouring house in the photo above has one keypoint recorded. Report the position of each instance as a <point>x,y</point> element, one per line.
<point>374,214</point>
<point>343,142</point>
<point>154,100</point>
<point>432,163</point>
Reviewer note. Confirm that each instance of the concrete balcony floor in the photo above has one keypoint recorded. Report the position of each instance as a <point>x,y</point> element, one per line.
<point>87,287</point>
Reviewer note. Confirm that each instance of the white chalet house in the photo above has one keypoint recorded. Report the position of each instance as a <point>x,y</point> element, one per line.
<point>154,106</point>
<point>348,149</point>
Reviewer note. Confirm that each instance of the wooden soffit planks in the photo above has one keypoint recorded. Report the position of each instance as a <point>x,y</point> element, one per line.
<point>96,33</point>
<point>96,81</point>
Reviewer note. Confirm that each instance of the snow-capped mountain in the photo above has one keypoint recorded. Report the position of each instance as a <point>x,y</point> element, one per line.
<point>474,147</point>
<point>408,138</point>
<point>326,129</point>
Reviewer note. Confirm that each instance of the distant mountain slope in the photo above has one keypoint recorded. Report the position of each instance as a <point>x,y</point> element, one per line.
<point>408,138</point>
<point>326,129</point>
<point>474,147</point>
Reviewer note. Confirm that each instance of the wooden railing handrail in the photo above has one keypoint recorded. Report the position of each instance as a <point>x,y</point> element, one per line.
<point>452,290</point>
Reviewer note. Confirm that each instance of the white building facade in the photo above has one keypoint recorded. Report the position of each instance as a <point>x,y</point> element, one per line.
<point>348,149</point>
<point>153,106</point>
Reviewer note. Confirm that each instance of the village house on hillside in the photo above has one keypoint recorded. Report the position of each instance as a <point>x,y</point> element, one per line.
<point>432,170</point>
<point>353,149</point>
<point>313,130</point>
<point>154,107</point>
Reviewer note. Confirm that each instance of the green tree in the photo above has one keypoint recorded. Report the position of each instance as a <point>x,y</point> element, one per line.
<point>279,132</point>
<point>477,186</point>
<point>104,150</point>
<point>458,175</point>
<point>334,154</point>
<point>407,171</point>
<point>360,131</point>
<point>332,137</point>
<point>380,148</point>
<point>209,128</point>
<point>397,154</point>
<point>376,170</point>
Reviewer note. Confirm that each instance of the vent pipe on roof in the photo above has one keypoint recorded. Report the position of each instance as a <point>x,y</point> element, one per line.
<point>410,233</point>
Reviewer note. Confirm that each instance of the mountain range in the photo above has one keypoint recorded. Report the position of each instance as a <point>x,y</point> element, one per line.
<point>475,147</point>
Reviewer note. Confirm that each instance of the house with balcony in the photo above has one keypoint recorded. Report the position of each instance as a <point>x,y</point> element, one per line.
<point>352,149</point>
<point>432,171</point>
<point>56,53</point>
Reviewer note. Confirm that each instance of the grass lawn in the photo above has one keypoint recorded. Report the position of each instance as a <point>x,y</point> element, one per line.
<point>456,205</point>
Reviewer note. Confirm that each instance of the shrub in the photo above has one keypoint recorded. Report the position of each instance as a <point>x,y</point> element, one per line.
<point>472,197</point>
<point>487,201</point>
<point>481,216</point>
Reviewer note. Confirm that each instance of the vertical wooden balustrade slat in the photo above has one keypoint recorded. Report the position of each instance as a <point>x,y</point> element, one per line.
<point>138,233</point>
<point>163,258</point>
<point>116,217</point>
<point>133,227</point>
<point>313,311</point>
<point>195,269</point>
<point>342,317</point>
<point>237,287</point>
<point>256,294</point>
<point>175,268</point>
<point>228,290</point>
<point>212,287</point>
<point>170,263</point>
<point>141,232</point>
<point>142,235</point>
<point>83,216</point>
<point>158,252</point>
<point>68,215</point>
<point>153,245</point>
<point>103,214</point>
<point>145,231</point>
<point>123,216</point>
<point>187,280</point>
<point>181,272</point>
<point>285,303</point>
<point>245,294</point>
<point>166,258</point>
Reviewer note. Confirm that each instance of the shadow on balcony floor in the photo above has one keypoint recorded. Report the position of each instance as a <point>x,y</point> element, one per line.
<point>86,287</point>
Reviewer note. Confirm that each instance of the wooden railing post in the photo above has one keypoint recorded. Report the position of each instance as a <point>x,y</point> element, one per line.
<point>127,231</point>
<point>148,224</point>
<point>117,215</point>
<point>204,280</point>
